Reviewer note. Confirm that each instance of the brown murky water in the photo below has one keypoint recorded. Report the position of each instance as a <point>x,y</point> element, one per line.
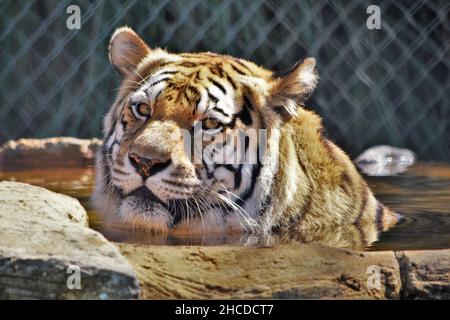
<point>422,196</point>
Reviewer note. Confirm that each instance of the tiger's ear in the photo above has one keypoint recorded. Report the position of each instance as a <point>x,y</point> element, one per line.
<point>292,89</point>
<point>126,50</point>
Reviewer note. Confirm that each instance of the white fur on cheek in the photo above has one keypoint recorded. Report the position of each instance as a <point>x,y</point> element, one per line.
<point>225,177</point>
<point>115,151</point>
<point>125,177</point>
<point>129,182</point>
<point>155,185</point>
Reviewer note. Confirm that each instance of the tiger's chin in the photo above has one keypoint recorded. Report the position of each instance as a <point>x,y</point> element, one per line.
<point>143,210</point>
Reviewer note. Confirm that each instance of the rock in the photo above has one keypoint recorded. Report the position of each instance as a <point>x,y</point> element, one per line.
<point>44,153</point>
<point>385,160</point>
<point>284,271</point>
<point>39,203</point>
<point>45,243</point>
<point>425,274</point>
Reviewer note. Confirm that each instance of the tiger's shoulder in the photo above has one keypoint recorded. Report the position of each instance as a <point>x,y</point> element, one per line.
<point>318,188</point>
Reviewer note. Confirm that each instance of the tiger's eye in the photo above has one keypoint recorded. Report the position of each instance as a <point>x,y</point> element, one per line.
<point>144,109</point>
<point>211,124</point>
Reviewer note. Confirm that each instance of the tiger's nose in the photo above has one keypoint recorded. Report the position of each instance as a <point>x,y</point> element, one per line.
<point>147,167</point>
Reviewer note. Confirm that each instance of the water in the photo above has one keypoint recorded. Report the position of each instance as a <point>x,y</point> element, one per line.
<point>422,196</point>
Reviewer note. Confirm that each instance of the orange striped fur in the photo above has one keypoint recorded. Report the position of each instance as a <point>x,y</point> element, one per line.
<point>306,187</point>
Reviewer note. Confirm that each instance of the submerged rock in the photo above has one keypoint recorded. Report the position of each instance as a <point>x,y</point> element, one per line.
<point>385,160</point>
<point>51,152</point>
<point>48,252</point>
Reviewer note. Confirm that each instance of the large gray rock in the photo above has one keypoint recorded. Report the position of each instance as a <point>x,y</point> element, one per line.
<point>48,153</point>
<point>45,242</point>
<point>425,274</point>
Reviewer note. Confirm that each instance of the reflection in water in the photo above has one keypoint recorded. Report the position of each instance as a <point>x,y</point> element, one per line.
<point>422,196</point>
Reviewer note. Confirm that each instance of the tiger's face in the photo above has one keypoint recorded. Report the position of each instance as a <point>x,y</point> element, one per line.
<point>191,140</point>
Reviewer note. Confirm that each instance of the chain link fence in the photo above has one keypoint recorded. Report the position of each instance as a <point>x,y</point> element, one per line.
<point>385,86</point>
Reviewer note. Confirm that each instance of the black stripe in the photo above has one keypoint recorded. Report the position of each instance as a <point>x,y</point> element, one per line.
<point>123,122</point>
<point>357,222</point>
<point>119,162</point>
<point>145,195</point>
<point>242,64</point>
<point>110,188</point>
<point>379,216</point>
<point>194,92</point>
<point>187,64</point>
<point>159,167</point>
<point>176,183</point>
<point>197,76</point>
<point>105,155</point>
<point>236,171</point>
<point>159,81</point>
<point>212,97</point>
<point>220,110</point>
<point>110,132</point>
<point>157,96</point>
<point>246,143</point>
<point>177,217</point>
<point>196,106</point>
<point>245,116</point>
<point>237,70</point>
<point>167,72</point>
<point>194,89</point>
<point>120,171</point>
<point>249,192</point>
<point>209,174</point>
<point>280,110</point>
<point>248,103</point>
<point>195,95</point>
<point>105,164</point>
<point>218,85</point>
<point>233,84</point>
<point>155,65</point>
<point>238,177</point>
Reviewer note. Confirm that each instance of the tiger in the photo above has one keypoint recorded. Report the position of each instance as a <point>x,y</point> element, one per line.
<point>301,185</point>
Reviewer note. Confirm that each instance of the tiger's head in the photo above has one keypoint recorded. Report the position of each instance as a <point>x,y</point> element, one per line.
<point>191,141</point>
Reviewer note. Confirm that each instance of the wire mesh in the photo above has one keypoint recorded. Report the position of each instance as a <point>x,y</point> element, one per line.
<point>386,86</point>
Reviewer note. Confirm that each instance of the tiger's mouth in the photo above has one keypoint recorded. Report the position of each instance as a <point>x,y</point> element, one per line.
<point>143,210</point>
<point>145,194</point>
<point>178,208</point>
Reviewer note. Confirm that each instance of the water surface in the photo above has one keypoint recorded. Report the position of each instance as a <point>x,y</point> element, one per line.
<point>422,196</point>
